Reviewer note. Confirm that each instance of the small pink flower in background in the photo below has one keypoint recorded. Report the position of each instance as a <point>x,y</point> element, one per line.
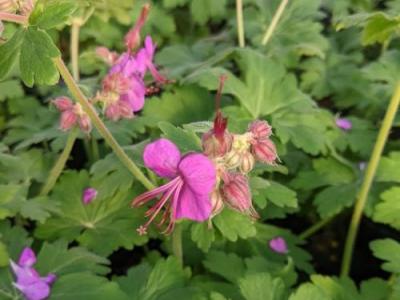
<point>344,124</point>
<point>260,129</point>
<point>262,147</point>
<point>192,179</point>
<point>278,245</point>
<point>72,115</point>
<point>28,281</point>
<point>89,194</point>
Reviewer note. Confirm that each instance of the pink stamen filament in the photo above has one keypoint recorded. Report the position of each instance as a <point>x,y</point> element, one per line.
<point>145,197</point>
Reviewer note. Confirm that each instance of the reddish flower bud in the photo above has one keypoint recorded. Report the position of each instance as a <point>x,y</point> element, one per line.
<point>237,194</point>
<point>132,38</point>
<point>109,57</point>
<point>68,120</point>
<point>84,123</point>
<point>260,129</point>
<point>63,103</point>
<point>264,151</point>
<point>116,83</point>
<point>247,162</point>
<point>214,146</point>
<point>233,159</point>
<point>26,7</point>
<point>8,6</point>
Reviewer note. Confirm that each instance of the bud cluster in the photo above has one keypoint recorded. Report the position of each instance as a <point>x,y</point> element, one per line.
<point>234,156</point>
<point>72,115</point>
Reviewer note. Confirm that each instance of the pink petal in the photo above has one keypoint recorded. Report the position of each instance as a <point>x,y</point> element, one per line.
<point>199,173</point>
<point>89,195</point>
<point>35,291</point>
<point>192,206</point>
<point>24,275</point>
<point>150,47</point>
<point>162,156</point>
<point>50,278</point>
<point>27,258</point>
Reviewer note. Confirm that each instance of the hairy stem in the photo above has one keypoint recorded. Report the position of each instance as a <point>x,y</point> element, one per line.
<point>60,163</point>
<point>74,48</point>
<point>98,123</point>
<point>315,228</point>
<point>274,22</point>
<point>177,243</point>
<point>13,18</point>
<point>239,21</point>
<point>367,182</point>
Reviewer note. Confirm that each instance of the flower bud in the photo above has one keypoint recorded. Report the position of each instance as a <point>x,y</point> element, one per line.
<point>68,120</point>
<point>233,159</point>
<point>89,195</point>
<point>109,57</point>
<point>84,123</point>
<point>26,7</point>
<point>260,129</point>
<point>63,103</point>
<point>216,202</point>
<point>247,162</point>
<point>132,38</point>
<point>236,192</point>
<point>264,151</point>
<point>8,6</point>
<point>344,124</point>
<point>214,146</point>
<point>278,245</point>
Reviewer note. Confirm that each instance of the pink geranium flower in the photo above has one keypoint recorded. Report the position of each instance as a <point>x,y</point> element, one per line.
<point>187,194</point>
<point>28,281</point>
<point>278,245</point>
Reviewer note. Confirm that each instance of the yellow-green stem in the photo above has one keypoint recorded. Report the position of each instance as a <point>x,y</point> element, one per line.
<point>240,24</point>
<point>274,22</point>
<point>98,123</point>
<point>60,163</point>
<point>315,228</point>
<point>368,179</point>
<point>177,243</point>
<point>74,48</point>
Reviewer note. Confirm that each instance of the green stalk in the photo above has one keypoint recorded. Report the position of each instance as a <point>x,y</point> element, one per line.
<point>274,22</point>
<point>60,163</point>
<point>315,228</point>
<point>367,182</point>
<point>177,243</point>
<point>98,123</point>
<point>239,20</point>
<point>74,48</point>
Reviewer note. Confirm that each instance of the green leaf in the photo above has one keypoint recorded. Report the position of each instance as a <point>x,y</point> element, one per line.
<point>10,88</point>
<point>105,225</point>
<point>389,251</point>
<point>11,198</point>
<point>388,210</point>
<point>333,199</point>
<point>185,140</point>
<point>233,225</point>
<point>51,13</point>
<point>15,238</point>
<point>261,286</point>
<point>336,289</point>
<point>38,209</point>
<point>203,10</point>
<point>57,258</point>
<point>36,63</point>
<point>202,235</point>
<point>308,291</point>
<point>280,195</point>
<point>332,171</point>
<point>375,289</point>
<point>389,168</point>
<point>9,52</point>
<point>145,283</point>
<point>85,286</point>
<point>183,105</point>
<point>227,265</point>
<point>378,27</point>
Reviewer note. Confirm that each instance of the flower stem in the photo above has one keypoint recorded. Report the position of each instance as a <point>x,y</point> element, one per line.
<point>98,123</point>
<point>367,182</point>
<point>314,228</point>
<point>13,18</point>
<point>239,20</point>
<point>60,163</point>
<point>274,22</point>
<point>177,243</point>
<point>74,48</point>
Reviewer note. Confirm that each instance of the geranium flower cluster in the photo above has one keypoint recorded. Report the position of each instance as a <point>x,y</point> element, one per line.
<point>200,184</point>
<point>123,89</point>
<point>28,281</point>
